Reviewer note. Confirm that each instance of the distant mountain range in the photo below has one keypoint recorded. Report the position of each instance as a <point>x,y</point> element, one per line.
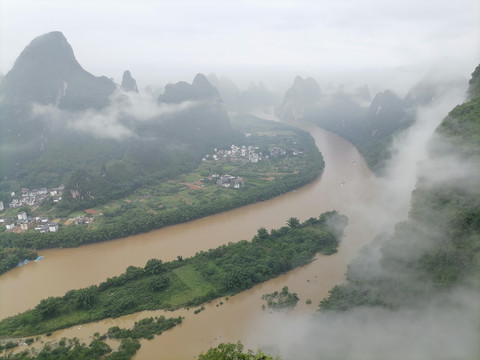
<point>46,72</point>
<point>56,119</point>
<point>255,97</point>
<point>369,124</point>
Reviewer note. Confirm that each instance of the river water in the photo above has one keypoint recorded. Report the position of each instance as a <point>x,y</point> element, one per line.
<point>346,185</point>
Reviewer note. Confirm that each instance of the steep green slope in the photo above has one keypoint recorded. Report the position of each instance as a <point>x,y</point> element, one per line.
<point>437,249</point>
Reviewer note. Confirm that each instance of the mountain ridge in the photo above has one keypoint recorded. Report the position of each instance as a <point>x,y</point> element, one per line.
<point>47,72</point>
<point>71,121</point>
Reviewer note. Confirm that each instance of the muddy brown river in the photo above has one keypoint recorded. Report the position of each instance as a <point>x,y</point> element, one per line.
<point>346,185</point>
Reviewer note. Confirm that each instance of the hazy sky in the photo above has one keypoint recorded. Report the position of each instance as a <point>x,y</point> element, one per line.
<point>168,41</point>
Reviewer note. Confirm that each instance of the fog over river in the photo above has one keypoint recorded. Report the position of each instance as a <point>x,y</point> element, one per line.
<point>347,185</point>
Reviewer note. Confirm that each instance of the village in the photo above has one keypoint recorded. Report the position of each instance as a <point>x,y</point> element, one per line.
<point>31,198</point>
<point>21,222</point>
<point>34,197</point>
<point>241,155</point>
<point>24,222</point>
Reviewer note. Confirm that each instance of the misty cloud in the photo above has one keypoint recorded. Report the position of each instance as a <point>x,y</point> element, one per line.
<point>443,327</point>
<point>443,330</point>
<point>115,121</point>
<point>288,36</point>
<point>409,149</point>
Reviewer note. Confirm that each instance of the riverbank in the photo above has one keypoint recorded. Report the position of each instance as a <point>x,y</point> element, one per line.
<point>279,159</point>
<point>239,317</point>
<point>223,271</point>
<point>91,264</point>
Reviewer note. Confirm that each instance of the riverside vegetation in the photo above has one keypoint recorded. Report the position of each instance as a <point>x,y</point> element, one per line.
<point>172,202</point>
<point>99,349</point>
<point>225,270</point>
<point>281,300</point>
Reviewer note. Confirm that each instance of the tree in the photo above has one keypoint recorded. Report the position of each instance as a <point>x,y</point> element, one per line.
<point>293,222</point>
<point>159,283</point>
<point>154,267</point>
<point>133,272</point>
<point>85,298</point>
<point>99,348</point>
<point>229,351</point>
<point>262,233</point>
<point>48,307</point>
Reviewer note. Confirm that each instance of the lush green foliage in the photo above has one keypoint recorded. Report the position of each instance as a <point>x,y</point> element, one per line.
<point>462,126</point>
<point>229,351</point>
<point>72,349</point>
<point>281,300</point>
<point>145,328</point>
<point>225,270</point>
<point>98,349</point>
<point>474,84</point>
<point>11,256</point>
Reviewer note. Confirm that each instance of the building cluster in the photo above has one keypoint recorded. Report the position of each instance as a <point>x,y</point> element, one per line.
<point>247,154</point>
<point>35,196</point>
<point>80,220</point>
<point>24,222</point>
<point>236,153</point>
<point>242,154</point>
<point>227,180</point>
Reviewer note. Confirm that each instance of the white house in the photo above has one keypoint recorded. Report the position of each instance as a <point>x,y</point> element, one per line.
<point>52,227</point>
<point>22,215</point>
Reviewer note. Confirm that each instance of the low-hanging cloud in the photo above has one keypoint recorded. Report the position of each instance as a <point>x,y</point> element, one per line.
<point>409,149</point>
<point>115,121</point>
<point>445,327</point>
<point>441,331</point>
